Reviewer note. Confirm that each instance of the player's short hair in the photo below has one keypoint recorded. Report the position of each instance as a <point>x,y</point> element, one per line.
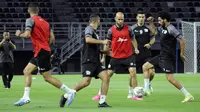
<point>165,15</point>
<point>33,7</point>
<point>140,11</point>
<point>93,17</point>
<point>6,31</point>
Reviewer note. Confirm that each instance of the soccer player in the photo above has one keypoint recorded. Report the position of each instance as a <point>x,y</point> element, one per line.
<point>7,59</point>
<point>122,42</point>
<point>39,32</point>
<point>144,34</point>
<point>91,65</point>
<point>165,60</point>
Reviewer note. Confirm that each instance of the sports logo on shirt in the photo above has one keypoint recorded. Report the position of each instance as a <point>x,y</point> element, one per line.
<point>141,32</point>
<point>87,72</point>
<point>103,67</point>
<point>122,40</point>
<point>146,30</point>
<point>164,31</point>
<point>109,66</point>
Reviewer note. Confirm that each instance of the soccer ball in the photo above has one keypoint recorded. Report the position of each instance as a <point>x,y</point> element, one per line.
<point>139,92</point>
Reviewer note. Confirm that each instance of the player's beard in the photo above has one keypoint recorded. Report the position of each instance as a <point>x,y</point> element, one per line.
<point>120,25</point>
<point>163,24</point>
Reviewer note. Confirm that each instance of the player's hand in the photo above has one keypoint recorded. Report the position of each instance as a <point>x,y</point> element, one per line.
<point>148,46</point>
<point>106,42</point>
<point>17,33</point>
<point>137,51</point>
<point>150,19</point>
<point>182,57</point>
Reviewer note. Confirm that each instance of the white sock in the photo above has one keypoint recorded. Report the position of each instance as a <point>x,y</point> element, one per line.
<point>102,99</point>
<point>65,88</point>
<point>26,93</point>
<point>185,92</point>
<point>99,93</point>
<point>130,90</point>
<point>146,84</point>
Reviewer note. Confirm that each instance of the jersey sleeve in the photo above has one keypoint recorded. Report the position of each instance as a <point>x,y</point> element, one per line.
<point>109,34</point>
<point>132,35</point>
<point>29,24</point>
<point>174,32</point>
<point>89,31</point>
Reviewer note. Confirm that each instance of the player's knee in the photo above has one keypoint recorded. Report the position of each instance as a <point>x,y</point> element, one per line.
<point>110,73</point>
<point>169,78</point>
<point>106,79</point>
<point>47,78</point>
<point>132,72</point>
<point>145,66</point>
<point>26,71</point>
<point>86,82</point>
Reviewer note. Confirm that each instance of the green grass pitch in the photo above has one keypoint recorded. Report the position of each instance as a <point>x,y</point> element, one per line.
<point>45,98</point>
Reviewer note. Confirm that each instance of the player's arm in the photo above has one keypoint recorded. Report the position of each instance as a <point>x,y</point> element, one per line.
<point>106,47</point>
<point>52,37</point>
<point>1,43</point>
<point>12,44</point>
<point>182,47</point>
<point>134,41</point>
<point>90,40</point>
<point>181,40</point>
<point>152,26</point>
<point>27,33</point>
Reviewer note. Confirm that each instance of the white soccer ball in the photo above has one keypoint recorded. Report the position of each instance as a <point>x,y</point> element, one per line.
<point>139,92</point>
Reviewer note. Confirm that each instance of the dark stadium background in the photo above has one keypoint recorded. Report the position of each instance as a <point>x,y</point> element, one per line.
<point>65,14</point>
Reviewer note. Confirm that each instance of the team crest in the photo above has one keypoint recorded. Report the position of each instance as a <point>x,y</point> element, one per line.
<point>146,30</point>
<point>87,72</point>
<point>141,32</point>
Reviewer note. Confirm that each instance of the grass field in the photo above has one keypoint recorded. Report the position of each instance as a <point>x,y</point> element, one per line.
<point>45,98</point>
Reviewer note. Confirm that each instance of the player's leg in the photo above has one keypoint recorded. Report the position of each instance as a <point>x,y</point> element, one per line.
<point>130,63</point>
<point>110,73</point>
<point>146,68</point>
<point>88,72</point>
<point>105,78</point>
<point>10,73</point>
<point>4,75</point>
<point>44,67</point>
<point>30,67</point>
<point>168,69</point>
<point>111,70</point>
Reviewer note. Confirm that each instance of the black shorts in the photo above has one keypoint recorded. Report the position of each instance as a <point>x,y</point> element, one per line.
<point>166,63</point>
<point>42,61</point>
<point>6,67</point>
<point>34,61</point>
<point>141,59</point>
<point>124,62</point>
<point>92,69</point>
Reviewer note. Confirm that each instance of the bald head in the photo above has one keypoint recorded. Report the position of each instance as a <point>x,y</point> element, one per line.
<point>119,18</point>
<point>119,15</point>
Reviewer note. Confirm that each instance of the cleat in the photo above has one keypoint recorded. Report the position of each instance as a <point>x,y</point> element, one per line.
<point>136,98</point>
<point>70,98</point>
<point>147,92</point>
<point>188,99</point>
<point>22,102</point>
<point>151,88</point>
<point>97,97</point>
<point>62,101</point>
<point>104,105</point>
<point>130,95</point>
<point>9,85</point>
